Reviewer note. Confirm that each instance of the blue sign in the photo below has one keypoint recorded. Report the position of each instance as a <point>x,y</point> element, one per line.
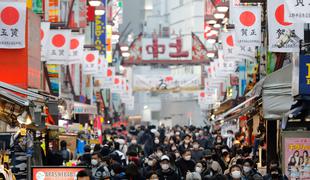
<point>100,31</point>
<point>304,75</point>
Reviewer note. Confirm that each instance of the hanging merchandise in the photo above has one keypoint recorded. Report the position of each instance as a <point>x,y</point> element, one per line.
<point>297,11</point>
<point>44,34</point>
<point>58,46</point>
<point>247,20</point>
<point>12,25</point>
<point>90,62</point>
<point>278,27</point>
<point>76,49</point>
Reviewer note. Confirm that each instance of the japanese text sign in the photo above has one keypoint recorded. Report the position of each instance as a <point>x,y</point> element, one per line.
<point>59,45</point>
<point>90,62</point>
<point>12,25</point>
<point>76,49</point>
<point>297,11</point>
<point>44,35</point>
<point>247,20</point>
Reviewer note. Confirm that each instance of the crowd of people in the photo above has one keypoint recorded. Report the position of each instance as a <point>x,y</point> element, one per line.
<point>178,153</point>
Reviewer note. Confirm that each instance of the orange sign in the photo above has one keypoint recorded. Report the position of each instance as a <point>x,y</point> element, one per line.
<point>51,173</point>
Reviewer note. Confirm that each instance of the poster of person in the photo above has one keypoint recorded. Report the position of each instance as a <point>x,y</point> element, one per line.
<point>296,157</point>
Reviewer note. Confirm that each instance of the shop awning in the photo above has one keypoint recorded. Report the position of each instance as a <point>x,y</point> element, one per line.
<point>80,108</point>
<point>13,97</point>
<point>277,93</point>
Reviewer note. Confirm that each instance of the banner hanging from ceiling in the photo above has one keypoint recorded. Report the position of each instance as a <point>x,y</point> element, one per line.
<point>162,83</point>
<point>58,46</point>
<point>100,32</point>
<point>12,25</point>
<point>230,50</point>
<point>90,62</point>
<point>278,26</point>
<point>297,11</point>
<point>44,35</point>
<point>76,49</point>
<point>247,20</point>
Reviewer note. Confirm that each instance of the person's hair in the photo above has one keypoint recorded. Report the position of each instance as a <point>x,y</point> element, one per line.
<point>233,166</point>
<point>296,152</point>
<point>305,152</point>
<point>250,161</point>
<point>63,144</point>
<point>116,145</point>
<point>87,148</point>
<point>150,174</point>
<point>83,173</point>
<point>97,154</point>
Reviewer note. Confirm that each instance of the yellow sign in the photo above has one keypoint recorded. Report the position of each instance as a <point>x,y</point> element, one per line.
<point>6,159</point>
<point>23,131</point>
<point>29,4</point>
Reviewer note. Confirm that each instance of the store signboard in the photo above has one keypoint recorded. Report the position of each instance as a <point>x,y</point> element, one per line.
<point>13,25</point>
<point>53,74</point>
<point>51,173</point>
<point>100,32</point>
<point>58,46</point>
<point>296,149</point>
<point>76,48</point>
<point>301,75</point>
<point>297,11</point>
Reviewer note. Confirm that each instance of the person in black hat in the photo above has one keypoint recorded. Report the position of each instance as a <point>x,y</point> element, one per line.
<point>166,172</point>
<point>186,163</point>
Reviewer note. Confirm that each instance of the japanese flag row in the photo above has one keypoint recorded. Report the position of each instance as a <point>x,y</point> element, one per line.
<point>64,47</point>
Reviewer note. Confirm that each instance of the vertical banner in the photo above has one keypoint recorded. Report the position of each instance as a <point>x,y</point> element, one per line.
<point>37,6</point>
<point>12,25</point>
<point>109,77</point>
<point>79,14</point>
<point>59,46</point>
<point>90,62</point>
<point>247,20</point>
<point>229,45</point>
<point>100,32</point>
<point>277,26</point>
<point>76,49</point>
<point>297,11</point>
<point>52,10</point>
<point>109,44</point>
<point>44,35</point>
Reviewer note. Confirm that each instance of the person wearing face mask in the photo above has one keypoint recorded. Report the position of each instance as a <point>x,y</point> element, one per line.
<point>166,172</point>
<point>150,164</point>
<point>249,171</point>
<point>201,168</point>
<point>197,153</point>
<point>186,142</point>
<point>159,152</point>
<point>99,169</point>
<point>275,174</point>
<point>185,163</point>
<point>235,173</point>
<point>134,147</point>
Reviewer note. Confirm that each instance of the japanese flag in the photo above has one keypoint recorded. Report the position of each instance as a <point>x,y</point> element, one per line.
<point>90,62</point>
<point>247,20</point>
<point>12,25</point>
<point>117,84</point>
<point>76,49</point>
<point>102,67</point>
<point>44,35</point>
<point>59,46</point>
<point>278,26</point>
<point>230,50</point>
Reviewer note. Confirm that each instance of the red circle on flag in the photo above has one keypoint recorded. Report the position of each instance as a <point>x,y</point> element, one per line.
<point>10,16</point>
<point>90,58</point>
<point>230,41</point>
<point>279,14</point>
<point>116,81</point>
<point>202,94</point>
<point>58,40</point>
<point>41,34</point>
<point>74,43</point>
<point>247,18</point>
<point>109,72</point>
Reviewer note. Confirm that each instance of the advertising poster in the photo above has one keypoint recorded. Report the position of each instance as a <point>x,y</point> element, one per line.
<point>53,74</point>
<point>100,32</point>
<point>296,161</point>
<point>51,173</point>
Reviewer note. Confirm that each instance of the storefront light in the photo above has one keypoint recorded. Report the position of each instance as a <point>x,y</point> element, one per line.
<point>222,9</point>
<point>125,54</point>
<point>94,3</point>
<point>219,15</point>
<point>217,26</point>
<point>211,41</point>
<point>124,48</point>
<point>211,22</point>
<point>214,32</point>
<point>100,10</point>
<point>211,55</point>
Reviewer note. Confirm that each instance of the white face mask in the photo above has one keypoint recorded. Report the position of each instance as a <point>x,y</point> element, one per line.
<point>150,163</point>
<point>246,169</point>
<point>187,158</point>
<point>187,141</point>
<point>196,134</point>
<point>134,142</point>
<point>156,141</point>
<point>173,148</point>
<point>236,174</point>
<point>196,146</point>
<point>94,162</point>
<point>198,169</point>
<point>177,133</point>
<point>164,166</point>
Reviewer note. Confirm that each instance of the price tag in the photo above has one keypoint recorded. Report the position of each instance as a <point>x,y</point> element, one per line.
<point>23,132</point>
